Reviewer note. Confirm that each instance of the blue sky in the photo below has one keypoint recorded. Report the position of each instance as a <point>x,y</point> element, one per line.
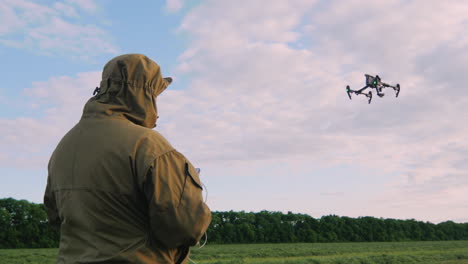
<point>258,100</point>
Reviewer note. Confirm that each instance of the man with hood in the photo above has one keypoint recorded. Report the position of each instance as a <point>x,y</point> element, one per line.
<point>116,189</point>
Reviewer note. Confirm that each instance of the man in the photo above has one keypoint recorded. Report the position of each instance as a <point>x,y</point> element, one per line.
<point>118,191</point>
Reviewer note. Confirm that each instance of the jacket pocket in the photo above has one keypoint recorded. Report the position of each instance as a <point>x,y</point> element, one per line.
<point>191,185</point>
<point>193,174</point>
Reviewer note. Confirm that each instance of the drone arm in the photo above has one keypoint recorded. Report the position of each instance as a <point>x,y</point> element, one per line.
<point>388,85</point>
<point>356,91</point>
<point>362,89</point>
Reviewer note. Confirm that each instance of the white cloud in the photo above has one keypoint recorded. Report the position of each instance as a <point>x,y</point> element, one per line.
<point>28,142</point>
<point>258,95</point>
<point>174,5</point>
<point>253,20</point>
<point>54,29</point>
<point>88,5</point>
<point>67,10</point>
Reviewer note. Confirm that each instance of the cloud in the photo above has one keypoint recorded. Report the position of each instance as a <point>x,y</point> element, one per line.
<point>268,84</point>
<point>174,5</point>
<point>272,21</point>
<point>87,5</point>
<point>58,29</point>
<point>28,142</point>
<point>67,10</point>
<point>292,90</point>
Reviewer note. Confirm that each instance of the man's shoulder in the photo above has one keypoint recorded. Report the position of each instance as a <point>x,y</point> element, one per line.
<point>143,134</point>
<point>156,137</point>
<point>152,142</point>
<point>128,134</point>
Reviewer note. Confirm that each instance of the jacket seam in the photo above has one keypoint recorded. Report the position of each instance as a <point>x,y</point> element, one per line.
<point>91,190</point>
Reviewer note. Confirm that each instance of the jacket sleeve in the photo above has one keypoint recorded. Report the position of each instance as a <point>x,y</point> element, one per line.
<point>51,206</point>
<point>178,215</point>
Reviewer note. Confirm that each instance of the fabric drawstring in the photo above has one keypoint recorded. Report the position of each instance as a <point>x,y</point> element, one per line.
<point>96,91</point>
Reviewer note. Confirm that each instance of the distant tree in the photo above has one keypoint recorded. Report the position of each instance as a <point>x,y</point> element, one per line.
<point>7,236</point>
<point>452,231</point>
<point>25,225</point>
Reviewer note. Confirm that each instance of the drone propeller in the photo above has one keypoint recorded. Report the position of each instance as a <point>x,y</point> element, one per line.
<point>348,90</point>
<point>398,89</point>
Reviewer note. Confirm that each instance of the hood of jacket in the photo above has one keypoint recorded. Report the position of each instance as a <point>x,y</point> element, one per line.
<point>128,89</point>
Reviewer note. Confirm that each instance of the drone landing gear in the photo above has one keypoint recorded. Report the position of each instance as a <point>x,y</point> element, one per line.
<point>358,92</point>
<point>379,91</point>
<point>395,88</point>
<point>370,96</point>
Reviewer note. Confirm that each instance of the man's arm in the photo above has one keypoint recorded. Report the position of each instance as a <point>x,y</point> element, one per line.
<point>51,206</point>
<point>178,215</point>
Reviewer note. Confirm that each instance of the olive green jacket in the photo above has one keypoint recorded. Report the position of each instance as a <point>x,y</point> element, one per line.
<point>118,191</point>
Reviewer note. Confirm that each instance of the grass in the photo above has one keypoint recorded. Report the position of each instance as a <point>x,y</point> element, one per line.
<point>443,252</point>
<point>29,256</point>
<point>446,252</point>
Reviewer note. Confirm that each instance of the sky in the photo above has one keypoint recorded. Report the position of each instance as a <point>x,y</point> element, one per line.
<point>258,100</point>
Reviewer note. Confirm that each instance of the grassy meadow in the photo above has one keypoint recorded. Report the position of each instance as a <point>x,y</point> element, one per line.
<point>445,252</point>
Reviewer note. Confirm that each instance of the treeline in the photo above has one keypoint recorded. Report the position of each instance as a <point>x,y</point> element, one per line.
<point>277,227</point>
<point>24,225</point>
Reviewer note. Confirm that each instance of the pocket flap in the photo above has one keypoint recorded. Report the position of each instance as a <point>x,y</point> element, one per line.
<point>192,172</point>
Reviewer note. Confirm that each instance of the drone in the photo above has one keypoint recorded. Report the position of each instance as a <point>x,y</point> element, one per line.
<point>374,83</point>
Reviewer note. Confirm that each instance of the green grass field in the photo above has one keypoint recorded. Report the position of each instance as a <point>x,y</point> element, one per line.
<point>445,252</point>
